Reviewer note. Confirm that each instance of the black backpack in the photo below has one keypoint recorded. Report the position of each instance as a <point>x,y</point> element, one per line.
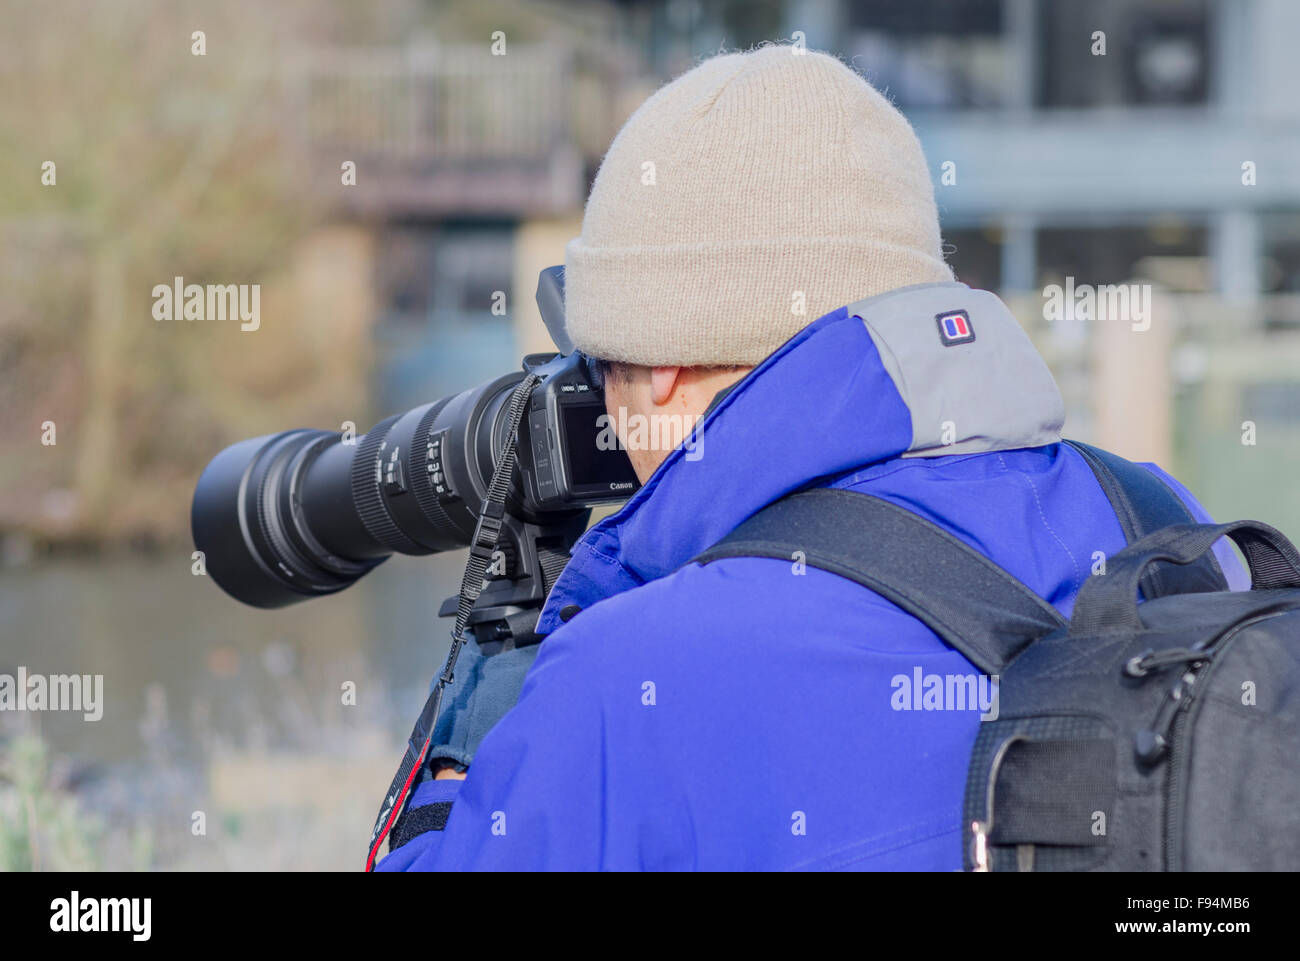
<point>1165,737</point>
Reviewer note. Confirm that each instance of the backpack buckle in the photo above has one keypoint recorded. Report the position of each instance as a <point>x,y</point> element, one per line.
<point>979,847</point>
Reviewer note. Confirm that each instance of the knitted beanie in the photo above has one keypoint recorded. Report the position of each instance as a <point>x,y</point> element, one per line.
<point>743,200</point>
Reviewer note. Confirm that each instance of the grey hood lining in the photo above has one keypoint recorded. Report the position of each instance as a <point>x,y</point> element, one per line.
<point>977,384</point>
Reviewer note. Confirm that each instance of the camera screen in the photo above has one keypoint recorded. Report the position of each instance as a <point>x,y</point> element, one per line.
<point>590,466</point>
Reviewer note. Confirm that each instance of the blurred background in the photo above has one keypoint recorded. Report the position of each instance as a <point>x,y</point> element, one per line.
<point>1171,160</point>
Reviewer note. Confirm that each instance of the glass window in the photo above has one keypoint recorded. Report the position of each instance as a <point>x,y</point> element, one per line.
<point>436,285</point>
<point>945,54</point>
<point>1278,402</point>
<point>1172,251</point>
<point>1281,240</point>
<point>1156,53</point>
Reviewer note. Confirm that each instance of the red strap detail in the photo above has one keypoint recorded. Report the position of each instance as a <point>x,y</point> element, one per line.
<point>398,805</point>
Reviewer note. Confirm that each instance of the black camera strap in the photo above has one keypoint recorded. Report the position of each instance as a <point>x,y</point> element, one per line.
<point>486,532</point>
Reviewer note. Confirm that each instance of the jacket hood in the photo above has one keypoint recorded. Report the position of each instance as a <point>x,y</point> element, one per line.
<point>925,371</point>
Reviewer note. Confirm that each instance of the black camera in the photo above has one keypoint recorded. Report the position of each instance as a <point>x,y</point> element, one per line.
<point>288,516</point>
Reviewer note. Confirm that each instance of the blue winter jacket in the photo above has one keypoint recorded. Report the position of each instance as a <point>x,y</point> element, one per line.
<point>741,715</point>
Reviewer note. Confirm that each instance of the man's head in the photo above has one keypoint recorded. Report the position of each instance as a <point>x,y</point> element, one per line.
<point>742,201</point>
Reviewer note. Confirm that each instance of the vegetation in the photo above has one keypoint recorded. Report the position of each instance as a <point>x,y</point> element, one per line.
<point>42,828</point>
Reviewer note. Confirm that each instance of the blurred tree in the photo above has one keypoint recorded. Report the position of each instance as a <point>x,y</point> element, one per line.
<point>167,163</point>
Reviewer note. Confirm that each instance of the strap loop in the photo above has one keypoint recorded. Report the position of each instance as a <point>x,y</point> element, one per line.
<point>1108,602</point>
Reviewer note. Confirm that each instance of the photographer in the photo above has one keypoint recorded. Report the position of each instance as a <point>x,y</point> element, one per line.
<point>760,257</point>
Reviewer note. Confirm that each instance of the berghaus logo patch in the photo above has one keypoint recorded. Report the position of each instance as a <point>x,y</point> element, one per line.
<point>954,328</point>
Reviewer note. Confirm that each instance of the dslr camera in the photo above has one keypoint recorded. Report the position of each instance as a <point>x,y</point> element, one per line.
<point>289,516</point>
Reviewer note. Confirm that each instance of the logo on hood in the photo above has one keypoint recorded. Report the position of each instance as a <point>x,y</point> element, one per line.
<point>954,328</point>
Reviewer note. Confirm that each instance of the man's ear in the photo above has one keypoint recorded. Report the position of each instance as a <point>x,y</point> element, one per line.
<point>663,380</point>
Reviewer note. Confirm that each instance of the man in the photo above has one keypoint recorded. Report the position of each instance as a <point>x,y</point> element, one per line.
<point>743,714</point>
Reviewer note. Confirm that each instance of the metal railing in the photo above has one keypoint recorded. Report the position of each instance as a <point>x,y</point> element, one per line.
<point>428,105</point>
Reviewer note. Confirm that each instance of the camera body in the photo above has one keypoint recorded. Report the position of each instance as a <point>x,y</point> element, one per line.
<point>564,459</point>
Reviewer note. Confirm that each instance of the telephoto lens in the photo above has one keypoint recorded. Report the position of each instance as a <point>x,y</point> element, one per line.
<point>289,516</point>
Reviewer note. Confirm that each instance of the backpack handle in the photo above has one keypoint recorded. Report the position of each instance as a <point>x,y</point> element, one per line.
<point>1109,602</point>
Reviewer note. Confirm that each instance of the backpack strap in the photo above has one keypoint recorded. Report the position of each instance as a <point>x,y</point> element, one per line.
<point>970,602</point>
<point>1144,504</point>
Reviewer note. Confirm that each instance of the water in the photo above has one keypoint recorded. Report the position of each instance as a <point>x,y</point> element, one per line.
<point>220,709</point>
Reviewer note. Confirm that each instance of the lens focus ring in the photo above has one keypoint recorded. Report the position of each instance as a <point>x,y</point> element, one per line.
<point>420,482</point>
<point>366,495</point>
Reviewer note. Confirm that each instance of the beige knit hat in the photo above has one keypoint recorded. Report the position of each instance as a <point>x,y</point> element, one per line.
<point>741,202</point>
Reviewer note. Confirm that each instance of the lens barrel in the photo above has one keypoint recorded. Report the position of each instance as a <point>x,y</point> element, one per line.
<point>299,514</point>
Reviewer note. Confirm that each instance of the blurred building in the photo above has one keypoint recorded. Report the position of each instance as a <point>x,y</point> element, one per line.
<point>1154,142</point>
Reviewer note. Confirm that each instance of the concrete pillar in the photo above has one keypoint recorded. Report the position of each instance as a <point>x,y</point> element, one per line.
<point>1235,251</point>
<point>1132,385</point>
<point>1020,19</point>
<point>1019,255</point>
